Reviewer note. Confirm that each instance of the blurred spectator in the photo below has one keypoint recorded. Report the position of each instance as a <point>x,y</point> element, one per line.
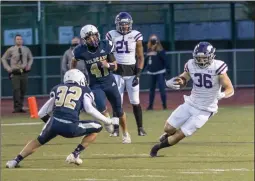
<point>67,58</point>
<point>156,64</point>
<point>21,60</point>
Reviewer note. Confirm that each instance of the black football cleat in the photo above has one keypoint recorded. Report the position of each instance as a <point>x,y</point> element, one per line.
<point>154,150</point>
<point>141,132</point>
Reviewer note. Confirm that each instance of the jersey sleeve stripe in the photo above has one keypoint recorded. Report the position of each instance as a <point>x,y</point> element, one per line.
<point>224,68</point>
<point>109,37</point>
<point>186,69</point>
<point>220,68</point>
<point>138,37</point>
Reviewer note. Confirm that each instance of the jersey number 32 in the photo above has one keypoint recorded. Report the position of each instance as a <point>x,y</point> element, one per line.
<point>66,96</point>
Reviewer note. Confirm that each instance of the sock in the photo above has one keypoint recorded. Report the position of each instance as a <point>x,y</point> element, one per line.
<point>115,126</point>
<point>78,150</point>
<point>164,144</point>
<point>137,110</point>
<point>19,158</point>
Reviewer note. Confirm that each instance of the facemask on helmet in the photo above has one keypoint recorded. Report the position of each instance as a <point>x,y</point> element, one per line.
<point>90,35</point>
<point>204,54</point>
<point>123,22</point>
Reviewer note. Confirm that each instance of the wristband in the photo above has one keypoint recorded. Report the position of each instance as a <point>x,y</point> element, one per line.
<point>111,66</point>
<point>138,72</point>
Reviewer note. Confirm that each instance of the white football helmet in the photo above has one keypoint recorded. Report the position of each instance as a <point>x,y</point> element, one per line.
<point>75,76</point>
<point>90,35</point>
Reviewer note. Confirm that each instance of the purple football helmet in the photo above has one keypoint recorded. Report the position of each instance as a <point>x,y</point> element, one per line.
<point>123,23</point>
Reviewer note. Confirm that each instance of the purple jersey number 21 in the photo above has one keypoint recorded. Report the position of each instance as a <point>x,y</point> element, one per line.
<point>122,47</point>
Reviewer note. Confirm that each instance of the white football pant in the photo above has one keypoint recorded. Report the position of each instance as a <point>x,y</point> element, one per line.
<point>133,92</point>
<point>188,118</point>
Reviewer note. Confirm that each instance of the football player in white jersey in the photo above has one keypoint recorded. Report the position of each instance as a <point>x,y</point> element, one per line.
<point>128,47</point>
<point>209,76</point>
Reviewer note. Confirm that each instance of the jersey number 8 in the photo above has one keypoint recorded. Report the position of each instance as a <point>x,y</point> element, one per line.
<point>68,99</point>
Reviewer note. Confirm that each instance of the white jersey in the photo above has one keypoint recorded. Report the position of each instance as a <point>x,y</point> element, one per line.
<point>206,84</point>
<point>125,46</point>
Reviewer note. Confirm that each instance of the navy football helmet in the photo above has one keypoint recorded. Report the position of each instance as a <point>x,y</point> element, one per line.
<point>123,23</point>
<point>203,54</point>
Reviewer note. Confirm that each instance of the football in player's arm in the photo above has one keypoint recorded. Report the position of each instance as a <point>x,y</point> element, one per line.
<point>182,80</point>
<point>209,76</point>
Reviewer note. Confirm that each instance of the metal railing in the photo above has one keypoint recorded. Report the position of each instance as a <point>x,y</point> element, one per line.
<point>240,63</point>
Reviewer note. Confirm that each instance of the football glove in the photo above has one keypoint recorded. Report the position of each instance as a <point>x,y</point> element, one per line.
<point>173,84</point>
<point>135,81</point>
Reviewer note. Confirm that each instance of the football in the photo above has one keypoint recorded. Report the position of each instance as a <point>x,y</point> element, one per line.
<point>180,82</point>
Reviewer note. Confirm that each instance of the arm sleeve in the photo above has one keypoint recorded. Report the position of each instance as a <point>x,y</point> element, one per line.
<point>30,58</point>
<point>186,68</point>
<point>46,108</point>
<point>108,36</point>
<point>75,53</point>
<point>223,68</point>
<point>87,103</point>
<point>6,56</point>
<point>138,37</point>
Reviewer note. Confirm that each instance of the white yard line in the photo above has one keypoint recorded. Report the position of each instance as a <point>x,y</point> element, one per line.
<point>107,154</point>
<point>142,176</point>
<point>143,169</point>
<point>92,179</point>
<point>22,124</point>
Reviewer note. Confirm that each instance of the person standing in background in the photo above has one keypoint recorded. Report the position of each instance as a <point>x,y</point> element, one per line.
<point>68,56</point>
<point>21,60</point>
<point>157,66</point>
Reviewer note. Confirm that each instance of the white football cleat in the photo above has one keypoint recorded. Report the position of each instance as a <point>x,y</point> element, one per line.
<point>126,139</point>
<point>12,164</point>
<point>71,159</point>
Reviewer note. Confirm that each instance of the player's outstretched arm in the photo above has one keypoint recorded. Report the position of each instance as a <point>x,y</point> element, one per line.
<point>89,108</point>
<point>227,85</point>
<point>46,109</point>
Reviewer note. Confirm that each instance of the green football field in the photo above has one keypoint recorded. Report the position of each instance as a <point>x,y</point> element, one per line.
<point>223,150</point>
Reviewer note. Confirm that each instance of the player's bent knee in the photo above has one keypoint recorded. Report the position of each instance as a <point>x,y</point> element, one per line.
<point>169,129</point>
<point>118,112</point>
<point>176,137</point>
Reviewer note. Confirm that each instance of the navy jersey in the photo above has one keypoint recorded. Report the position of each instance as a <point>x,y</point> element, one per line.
<point>97,74</point>
<point>69,101</point>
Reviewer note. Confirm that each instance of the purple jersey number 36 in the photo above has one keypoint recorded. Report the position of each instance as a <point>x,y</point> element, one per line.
<point>122,47</point>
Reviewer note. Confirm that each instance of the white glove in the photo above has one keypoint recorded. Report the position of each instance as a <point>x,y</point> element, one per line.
<point>221,95</point>
<point>109,126</point>
<point>172,84</point>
